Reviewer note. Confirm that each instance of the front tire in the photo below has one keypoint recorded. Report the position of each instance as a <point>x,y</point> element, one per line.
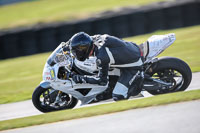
<point>44,101</point>
<point>167,66</point>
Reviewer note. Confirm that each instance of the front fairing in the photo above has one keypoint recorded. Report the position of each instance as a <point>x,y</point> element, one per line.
<point>49,73</point>
<point>68,86</point>
<point>50,76</point>
<point>56,60</point>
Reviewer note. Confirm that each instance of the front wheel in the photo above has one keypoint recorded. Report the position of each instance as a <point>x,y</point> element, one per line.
<point>171,70</point>
<point>48,99</point>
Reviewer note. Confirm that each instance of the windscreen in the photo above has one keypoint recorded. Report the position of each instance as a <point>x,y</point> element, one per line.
<point>61,57</point>
<point>51,60</point>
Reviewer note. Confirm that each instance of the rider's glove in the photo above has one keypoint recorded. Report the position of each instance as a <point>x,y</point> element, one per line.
<point>79,79</point>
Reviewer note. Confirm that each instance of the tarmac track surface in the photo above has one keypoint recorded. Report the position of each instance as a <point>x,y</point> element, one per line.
<point>173,118</point>
<point>26,108</point>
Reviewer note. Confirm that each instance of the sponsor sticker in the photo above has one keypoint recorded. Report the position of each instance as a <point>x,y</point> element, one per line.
<point>52,73</point>
<point>48,78</point>
<point>47,73</point>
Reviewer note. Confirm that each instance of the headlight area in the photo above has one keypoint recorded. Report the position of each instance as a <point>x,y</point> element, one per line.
<point>48,73</point>
<point>55,73</point>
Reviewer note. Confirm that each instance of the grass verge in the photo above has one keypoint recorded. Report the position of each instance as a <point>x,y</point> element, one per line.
<point>19,76</point>
<point>100,109</point>
<point>45,11</point>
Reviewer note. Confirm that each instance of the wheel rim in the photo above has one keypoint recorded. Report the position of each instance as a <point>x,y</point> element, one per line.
<point>48,99</point>
<point>170,76</point>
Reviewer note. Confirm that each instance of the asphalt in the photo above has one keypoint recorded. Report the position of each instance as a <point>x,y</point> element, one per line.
<point>26,108</point>
<point>173,118</point>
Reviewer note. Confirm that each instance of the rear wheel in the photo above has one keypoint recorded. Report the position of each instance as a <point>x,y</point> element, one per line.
<point>47,100</point>
<point>171,70</point>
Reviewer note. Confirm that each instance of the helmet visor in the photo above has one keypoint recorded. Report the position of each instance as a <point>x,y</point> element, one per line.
<point>80,52</point>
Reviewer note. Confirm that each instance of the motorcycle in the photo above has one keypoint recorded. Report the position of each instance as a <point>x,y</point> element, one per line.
<point>58,91</point>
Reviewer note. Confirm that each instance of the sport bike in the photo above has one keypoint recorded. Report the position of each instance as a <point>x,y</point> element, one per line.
<point>58,91</point>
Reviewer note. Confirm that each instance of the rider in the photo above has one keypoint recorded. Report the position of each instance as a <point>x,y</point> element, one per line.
<point>110,51</point>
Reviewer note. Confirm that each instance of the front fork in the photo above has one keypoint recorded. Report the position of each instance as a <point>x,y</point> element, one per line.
<point>45,85</point>
<point>58,97</point>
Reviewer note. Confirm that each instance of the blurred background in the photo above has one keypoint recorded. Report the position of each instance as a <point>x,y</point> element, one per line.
<point>36,26</point>
<point>31,29</point>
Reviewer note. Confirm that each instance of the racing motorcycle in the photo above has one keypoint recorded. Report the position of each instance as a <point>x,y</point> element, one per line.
<point>58,91</point>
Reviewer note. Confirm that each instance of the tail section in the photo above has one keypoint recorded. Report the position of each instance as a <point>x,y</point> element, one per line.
<point>156,44</point>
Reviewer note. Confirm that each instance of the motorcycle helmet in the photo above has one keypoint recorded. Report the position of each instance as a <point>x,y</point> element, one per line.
<point>81,46</point>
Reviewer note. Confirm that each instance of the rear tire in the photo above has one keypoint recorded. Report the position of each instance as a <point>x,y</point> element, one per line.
<point>39,91</point>
<point>171,63</point>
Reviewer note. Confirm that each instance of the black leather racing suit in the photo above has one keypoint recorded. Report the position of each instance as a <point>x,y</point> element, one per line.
<point>114,52</point>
